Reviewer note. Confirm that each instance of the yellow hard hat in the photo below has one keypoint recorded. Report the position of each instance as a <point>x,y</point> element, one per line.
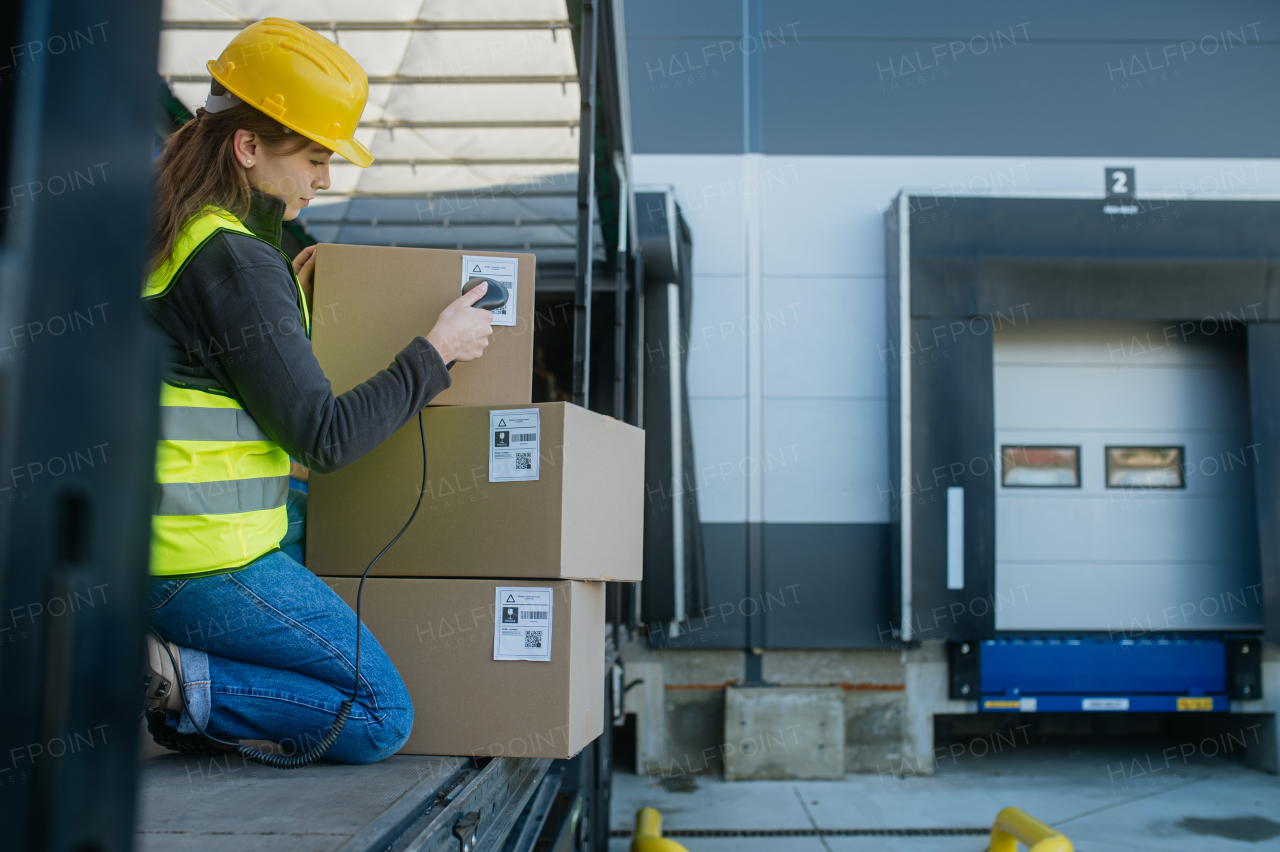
<point>299,78</point>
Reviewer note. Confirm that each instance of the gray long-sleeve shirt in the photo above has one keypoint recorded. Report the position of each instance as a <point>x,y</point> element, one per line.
<point>235,326</point>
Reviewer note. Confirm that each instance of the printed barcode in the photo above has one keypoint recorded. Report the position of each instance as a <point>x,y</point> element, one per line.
<point>533,638</point>
<point>524,461</point>
<point>533,613</point>
<point>524,436</point>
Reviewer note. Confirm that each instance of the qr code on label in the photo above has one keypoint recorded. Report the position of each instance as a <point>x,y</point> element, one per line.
<point>533,638</point>
<point>524,461</point>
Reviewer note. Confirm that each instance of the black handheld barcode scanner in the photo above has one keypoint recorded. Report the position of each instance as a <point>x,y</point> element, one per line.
<point>493,298</point>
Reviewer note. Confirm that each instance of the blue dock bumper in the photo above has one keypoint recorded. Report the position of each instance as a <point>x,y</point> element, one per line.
<point>1101,675</point>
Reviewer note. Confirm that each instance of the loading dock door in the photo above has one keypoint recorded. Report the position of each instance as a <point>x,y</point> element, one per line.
<point>1151,550</point>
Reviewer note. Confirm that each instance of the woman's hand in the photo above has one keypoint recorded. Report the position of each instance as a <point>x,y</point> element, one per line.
<point>462,332</point>
<point>304,266</point>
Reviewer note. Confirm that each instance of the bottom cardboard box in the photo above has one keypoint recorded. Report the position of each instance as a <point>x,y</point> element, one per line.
<point>439,632</point>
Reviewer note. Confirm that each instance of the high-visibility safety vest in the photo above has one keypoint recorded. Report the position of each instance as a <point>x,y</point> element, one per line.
<point>221,482</point>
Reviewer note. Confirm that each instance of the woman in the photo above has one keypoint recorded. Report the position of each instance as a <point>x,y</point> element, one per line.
<point>262,649</point>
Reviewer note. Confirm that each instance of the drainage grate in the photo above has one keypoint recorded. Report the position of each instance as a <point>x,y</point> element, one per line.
<point>814,832</point>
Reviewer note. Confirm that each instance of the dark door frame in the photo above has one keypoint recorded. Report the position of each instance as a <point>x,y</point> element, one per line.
<point>958,267</point>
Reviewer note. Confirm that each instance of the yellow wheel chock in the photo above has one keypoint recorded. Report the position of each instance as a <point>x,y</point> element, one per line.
<point>1013,825</point>
<point>648,836</point>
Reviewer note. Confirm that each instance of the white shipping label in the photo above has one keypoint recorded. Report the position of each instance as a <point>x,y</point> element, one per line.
<point>504,270</point>
<point>513,444</point>
<point>523,628</point>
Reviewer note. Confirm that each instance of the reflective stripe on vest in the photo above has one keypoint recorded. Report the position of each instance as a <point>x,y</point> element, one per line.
<point>221,482</point>
<point>221,486</point>
<point>225,497</point>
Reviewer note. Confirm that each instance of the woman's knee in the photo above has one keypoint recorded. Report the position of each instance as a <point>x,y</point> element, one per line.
<point>391,722</point>
<point>374,734</point>
<point>398,724</point>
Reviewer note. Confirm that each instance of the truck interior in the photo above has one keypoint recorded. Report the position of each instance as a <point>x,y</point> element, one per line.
<point>495,129</point>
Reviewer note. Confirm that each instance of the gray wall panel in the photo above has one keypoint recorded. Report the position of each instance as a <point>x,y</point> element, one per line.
<point>676,18</point>
<point>815,465</point>
<point>834,580</point>
<point>938,19</point>
<point>724,624</point>
<point>683,100</point>
<point>823,586</point>
<point>1028,99</point>
<point>720,440</point>
<point>1084,79</point>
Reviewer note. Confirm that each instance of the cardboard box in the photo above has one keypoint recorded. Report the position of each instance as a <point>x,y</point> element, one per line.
<point>439,633</point>
<point>371,301</point>
<point>582,518</point>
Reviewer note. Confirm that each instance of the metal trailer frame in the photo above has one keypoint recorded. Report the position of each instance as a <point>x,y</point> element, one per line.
<point>83,378</point>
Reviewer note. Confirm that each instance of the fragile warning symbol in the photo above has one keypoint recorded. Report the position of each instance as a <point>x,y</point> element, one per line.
<point>477,269</point>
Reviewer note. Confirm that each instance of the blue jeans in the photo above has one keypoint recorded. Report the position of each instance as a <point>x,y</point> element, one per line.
<point>294,542</point>
<point>268,653</point>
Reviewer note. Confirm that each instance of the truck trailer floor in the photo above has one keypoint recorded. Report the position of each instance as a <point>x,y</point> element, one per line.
<point>227,804</point>
<point>1104,798</point>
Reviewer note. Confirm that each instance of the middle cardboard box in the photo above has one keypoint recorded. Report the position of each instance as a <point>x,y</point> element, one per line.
<point>544,491</point>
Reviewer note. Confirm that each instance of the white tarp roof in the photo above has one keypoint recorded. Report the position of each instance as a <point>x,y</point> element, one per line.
<point>472,116</point>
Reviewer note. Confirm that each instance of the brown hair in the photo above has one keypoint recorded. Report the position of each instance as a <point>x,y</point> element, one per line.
<point>198,168</point>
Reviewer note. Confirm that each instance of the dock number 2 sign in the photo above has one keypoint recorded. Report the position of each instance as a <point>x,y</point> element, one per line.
<point>1119,183</point>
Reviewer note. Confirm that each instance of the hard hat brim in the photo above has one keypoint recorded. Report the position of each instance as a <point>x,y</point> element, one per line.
<point>349,149</point>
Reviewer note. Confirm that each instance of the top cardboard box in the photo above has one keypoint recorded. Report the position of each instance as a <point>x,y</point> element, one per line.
<point>371,301</point>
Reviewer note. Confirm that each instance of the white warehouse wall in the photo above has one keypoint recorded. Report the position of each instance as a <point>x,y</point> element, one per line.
<point>786,375</point>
